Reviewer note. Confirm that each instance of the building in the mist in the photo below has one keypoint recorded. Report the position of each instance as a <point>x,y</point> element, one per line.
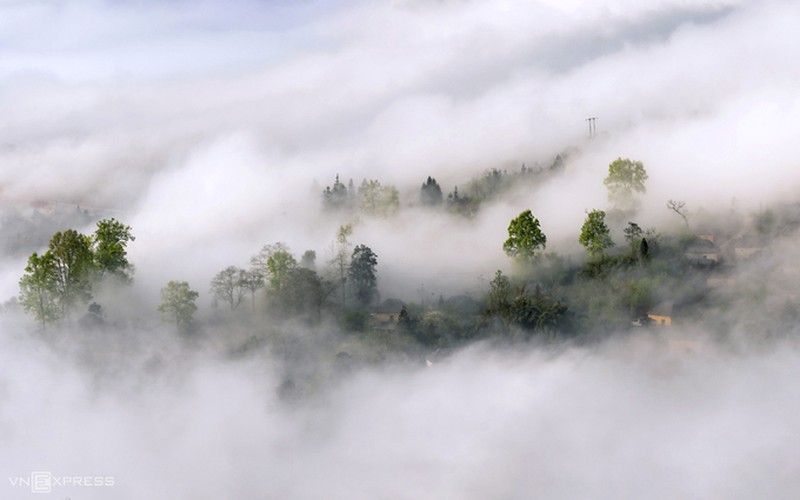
<point>661,315</point>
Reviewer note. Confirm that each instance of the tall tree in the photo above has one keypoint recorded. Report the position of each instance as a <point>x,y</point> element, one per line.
<point>500,298</point>
<point>679,207</point>
<point>73,265</point>
<point>340,259</point>
<point>229,286</point>
<point>378,200</point>
<point>633,235</point>
<point>525,236</point>
<point>363,274</point>
<point>304,293</point>
<point>337,197</point>
<point>625,178</point>
<point>309,260</point>
<point>37,289</point>
<point>109,245</point>
<point>178,303</point>
<point>430,193</point>
<point>252,280</point>
<point>595,235</point>
<point>275,261</point>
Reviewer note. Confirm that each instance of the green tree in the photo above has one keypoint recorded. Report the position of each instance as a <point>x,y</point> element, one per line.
<point>363,274</point>
<point>304,293</point>
<point>37,289</point>
<point>109,248</point>
<point>340,260</point>
<point>431,193</point>
<point>525,236</point>
<point>625,179</point>
<point>275,261</point>
<point>178,303</point>
<point>73,265</point>
<point>378,200</point>
<point>500,298</point>
<point>229,286</point>
<point>595,235</point>
<point>633,235</point>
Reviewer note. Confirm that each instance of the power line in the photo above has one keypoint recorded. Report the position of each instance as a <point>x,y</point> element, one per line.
<point>592,126</point>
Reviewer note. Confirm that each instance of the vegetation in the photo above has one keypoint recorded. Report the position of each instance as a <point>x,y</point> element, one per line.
<point>431,193</point>
<point>595,235</point>
<point>363,275</point>
<point>525,237</point>
<point>625,179</point>
<point>61,279</point>
<point>563,297</point>
<point>178,303</point>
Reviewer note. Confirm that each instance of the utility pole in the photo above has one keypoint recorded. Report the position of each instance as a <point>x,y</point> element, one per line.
<point>592,126</point>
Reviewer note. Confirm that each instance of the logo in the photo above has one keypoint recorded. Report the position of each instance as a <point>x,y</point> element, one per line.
<point>45,481</point>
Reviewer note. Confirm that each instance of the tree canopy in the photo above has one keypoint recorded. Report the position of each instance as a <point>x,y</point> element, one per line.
<point>178,303</point>
<point>37,289</point>
<point>363,275</point>
<point>376,199</point>
<point>430,193</point>
<point>230,286</point>
<point>525,236</point>
<point>625,178</point>
<point>110,241</point>
<point>275,261</point>
<point>61,278</point>
<point>595,235</point>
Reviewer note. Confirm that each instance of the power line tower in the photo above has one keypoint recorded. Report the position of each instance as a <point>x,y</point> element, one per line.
<point>592,126</point>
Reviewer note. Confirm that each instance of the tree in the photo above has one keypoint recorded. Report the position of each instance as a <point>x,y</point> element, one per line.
<point>679,207</point>
<point>337,197</point>
<point>340,258</point>
<point>525,237</point>
<point>178,303</point>
<point>73,265</point>
<point>309,260</point>
<point>229,286</point>
<point>363,274</point>
<point>62,278</point>
<point>644,249</point>
<point>304,293</point>
<point>633,235</point>
<point>37,289</point>
<point>252,281</point>
<point>275,262</point>
<point>378,200</point>
<point>595,235</point>
<point>499,300</point>
<point>625,178</point>
<point>109,244</point>
<point>431,193</point>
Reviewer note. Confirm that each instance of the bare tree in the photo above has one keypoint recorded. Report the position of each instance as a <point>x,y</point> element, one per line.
<point>679,207</point>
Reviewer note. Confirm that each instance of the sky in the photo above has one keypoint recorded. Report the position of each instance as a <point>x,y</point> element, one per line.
<point>212,127</point>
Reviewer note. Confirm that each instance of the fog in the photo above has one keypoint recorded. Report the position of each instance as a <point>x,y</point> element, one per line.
<point>213,127</point>
<point>627,419</point>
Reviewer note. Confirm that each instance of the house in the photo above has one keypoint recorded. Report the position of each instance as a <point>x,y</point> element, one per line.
<point>748,248</point>
<point>386,315</point>
<point>702,253</point>
<point>661,315</point>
